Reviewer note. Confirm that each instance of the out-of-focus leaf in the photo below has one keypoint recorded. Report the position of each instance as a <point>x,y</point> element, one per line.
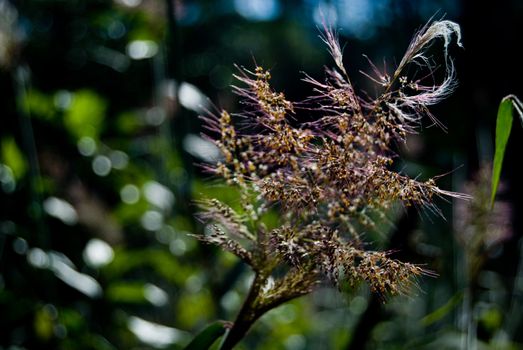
<point>442,311</point>
<point>128,123</point>
<point>503,128</point>
<point>270,219</point>
<point>43,324</point>
<point>126,292</point>
<point>39,105</point>
<point>85,115</point>
<point>13,157</point>
<point>161,262</point>
<point>72,320</point>
<point>491,319</point>
<point>195,307</point>
<point>207,336</point>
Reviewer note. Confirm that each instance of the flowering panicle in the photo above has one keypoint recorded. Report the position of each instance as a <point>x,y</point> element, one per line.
<point>330,179</point>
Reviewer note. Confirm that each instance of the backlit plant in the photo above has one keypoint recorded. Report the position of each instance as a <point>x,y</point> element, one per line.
<point>328,179</point>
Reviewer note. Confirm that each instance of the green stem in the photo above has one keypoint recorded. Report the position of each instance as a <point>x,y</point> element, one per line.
<point>21,81</point>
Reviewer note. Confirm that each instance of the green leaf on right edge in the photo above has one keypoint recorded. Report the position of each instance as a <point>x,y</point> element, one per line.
<point>204,339</point>
<point>503,128</point>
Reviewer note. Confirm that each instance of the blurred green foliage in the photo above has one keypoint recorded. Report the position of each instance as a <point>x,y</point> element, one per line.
<point>13,158</point>
<point>85,115</point>
<point>97,185</point>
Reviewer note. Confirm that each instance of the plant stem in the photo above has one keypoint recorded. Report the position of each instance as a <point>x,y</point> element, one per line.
<point>248,314</point>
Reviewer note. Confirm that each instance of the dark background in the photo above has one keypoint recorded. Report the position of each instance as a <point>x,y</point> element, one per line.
<point>97,147</point>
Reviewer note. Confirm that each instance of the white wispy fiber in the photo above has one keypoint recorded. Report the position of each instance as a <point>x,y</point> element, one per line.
<point>411,106</point>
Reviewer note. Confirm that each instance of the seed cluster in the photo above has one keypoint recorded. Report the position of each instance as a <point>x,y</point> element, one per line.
<point>329,179</point>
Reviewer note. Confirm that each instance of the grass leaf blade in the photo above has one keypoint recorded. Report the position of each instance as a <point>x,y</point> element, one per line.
<point>503,128</point>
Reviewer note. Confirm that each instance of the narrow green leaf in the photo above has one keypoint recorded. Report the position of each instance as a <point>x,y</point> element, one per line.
<point>204,339</point>
<point>442,311</point>
<point>503,128</point>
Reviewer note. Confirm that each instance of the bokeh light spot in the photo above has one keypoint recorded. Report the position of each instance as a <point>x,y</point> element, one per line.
<point>142,49</point>
<point>130,194</point>
<point>86,146</point>
<point>98,253</point>
<point>258,10</point>
<point>101,165</point>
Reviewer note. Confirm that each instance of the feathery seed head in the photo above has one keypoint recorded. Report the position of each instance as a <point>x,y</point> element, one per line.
<point>328,179</point>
